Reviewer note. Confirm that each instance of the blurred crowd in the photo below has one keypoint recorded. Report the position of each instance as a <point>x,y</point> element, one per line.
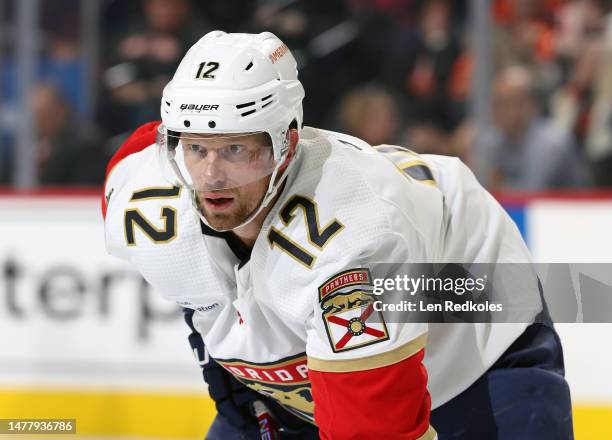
<point>387,71</point>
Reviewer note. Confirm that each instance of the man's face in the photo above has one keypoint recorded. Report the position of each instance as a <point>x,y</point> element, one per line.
<point>167,15</point>
<point>229,173</point>
<point>513,108</point>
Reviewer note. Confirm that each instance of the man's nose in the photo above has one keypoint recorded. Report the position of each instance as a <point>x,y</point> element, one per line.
<point>209,171</point>
<point>213,167</point>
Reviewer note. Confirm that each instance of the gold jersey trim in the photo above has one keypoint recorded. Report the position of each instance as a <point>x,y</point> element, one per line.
<point>368,362</point>
<point>430,434</point>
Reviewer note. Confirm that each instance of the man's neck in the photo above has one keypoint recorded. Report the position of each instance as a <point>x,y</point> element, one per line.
<point>248,233</point>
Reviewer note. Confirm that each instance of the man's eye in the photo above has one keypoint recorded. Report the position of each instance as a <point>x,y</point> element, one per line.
<point>195,148</point>
<point>236,149</point>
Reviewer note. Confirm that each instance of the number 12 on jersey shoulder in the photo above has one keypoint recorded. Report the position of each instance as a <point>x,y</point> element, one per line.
<point>317,236</point>
<point>133,217</point>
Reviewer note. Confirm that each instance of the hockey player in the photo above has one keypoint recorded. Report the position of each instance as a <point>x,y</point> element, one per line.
<point>270,234</point>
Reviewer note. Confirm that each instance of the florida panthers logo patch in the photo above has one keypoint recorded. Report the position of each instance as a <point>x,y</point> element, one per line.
<point>348,311</point>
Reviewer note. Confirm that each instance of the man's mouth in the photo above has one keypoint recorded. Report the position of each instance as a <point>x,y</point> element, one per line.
<point>217,202</point>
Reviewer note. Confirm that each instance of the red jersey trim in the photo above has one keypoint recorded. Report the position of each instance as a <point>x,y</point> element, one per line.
<point>392,402</point>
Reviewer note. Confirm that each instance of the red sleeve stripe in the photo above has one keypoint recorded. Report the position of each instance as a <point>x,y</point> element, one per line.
<point>391,402</point>
<point>139,140</point>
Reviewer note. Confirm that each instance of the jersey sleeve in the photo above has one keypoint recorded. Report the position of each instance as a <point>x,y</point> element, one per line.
<point>368,375</point>
<point>142,137</point>
<point>479,229</point>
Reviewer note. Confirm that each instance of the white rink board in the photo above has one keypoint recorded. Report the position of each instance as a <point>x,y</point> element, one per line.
<point>578,232</point>
<point>73,317</point>
<point>570,231</point>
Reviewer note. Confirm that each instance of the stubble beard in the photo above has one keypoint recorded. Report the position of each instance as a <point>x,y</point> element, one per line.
<point>228,220</point>
<point>246,201</point>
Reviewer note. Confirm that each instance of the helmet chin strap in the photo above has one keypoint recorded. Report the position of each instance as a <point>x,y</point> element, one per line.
<point>265,201</point>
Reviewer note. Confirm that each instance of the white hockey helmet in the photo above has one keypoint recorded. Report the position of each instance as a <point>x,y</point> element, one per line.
<point>231,84</point>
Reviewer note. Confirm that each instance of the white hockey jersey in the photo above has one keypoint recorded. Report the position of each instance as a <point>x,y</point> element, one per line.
<point>293,306</point>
